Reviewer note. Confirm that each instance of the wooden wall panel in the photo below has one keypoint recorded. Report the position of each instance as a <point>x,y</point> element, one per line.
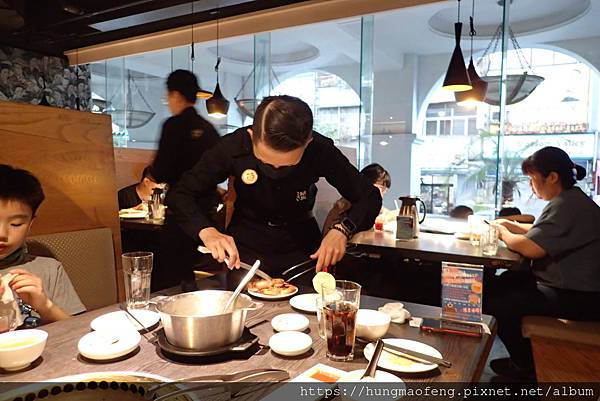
<point>71,153</point>
<point>129,164</point>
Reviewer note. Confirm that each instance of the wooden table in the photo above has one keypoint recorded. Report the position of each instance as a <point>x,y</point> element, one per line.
<point>435,247</point>
<point>60,358</point>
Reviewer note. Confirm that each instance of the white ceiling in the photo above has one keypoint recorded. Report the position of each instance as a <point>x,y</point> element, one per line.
<point>397,33</point>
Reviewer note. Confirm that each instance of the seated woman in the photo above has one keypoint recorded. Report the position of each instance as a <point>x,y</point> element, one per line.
<point>563,279</point>
<point>378,176</point>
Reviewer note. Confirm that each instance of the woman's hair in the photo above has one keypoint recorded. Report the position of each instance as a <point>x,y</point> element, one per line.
<point>20,185</point>
<point>147,173</point>
<point>284,123</point>
<point>377,174</point>
<point>461,212</point>
<point>509,211</point>
<point>549,159</point>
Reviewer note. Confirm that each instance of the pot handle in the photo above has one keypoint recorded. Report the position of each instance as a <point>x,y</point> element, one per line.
<point>254,306</point>
<point>156,300</point>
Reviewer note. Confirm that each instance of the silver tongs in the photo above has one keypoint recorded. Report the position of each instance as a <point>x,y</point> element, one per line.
<point>259,273</point>
<point>309,262</point>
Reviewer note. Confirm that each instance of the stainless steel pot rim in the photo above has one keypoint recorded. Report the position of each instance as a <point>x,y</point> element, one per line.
<point>164,300</point>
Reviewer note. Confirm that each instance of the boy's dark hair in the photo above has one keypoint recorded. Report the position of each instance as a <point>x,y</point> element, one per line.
<point>147,173</point>
<point>20,185</point>
<point>184,82</point>
<point>375,173</point>
<point>509,211</point>
<point>461,212</point>
<point>284,123</point>
<point>549,159</point>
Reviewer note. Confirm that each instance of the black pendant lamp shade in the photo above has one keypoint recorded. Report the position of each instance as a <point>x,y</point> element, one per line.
<point>457,79</point>
<point>217,105</point>
<point>477,94</point>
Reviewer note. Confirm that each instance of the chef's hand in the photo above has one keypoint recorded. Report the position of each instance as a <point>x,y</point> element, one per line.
<point>221,246</point>
<point>332,249</point>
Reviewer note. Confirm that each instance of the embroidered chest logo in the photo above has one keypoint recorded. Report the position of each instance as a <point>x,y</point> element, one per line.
<point>196,133</point>
<point>300,196</point>
<point>249,176</point>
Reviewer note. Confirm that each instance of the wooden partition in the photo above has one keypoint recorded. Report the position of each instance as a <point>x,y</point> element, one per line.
<point>71,153</point>
<point>130,163</point>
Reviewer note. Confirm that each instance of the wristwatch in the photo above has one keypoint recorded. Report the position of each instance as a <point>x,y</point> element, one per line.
<point>348,225</point>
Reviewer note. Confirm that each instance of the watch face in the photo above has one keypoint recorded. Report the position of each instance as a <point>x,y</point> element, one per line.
<point>348,224</point>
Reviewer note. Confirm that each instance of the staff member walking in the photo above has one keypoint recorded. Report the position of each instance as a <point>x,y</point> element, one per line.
<point>184,139</point>
<point>275,165</point>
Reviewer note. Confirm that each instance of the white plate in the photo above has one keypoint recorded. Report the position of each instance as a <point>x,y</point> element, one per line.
<point>132,214</point>
<point>289,322</point>
<point>305,302</point>
<point>108,344</point>
<point>397,363</point>
<point>120,320</point>
<point>290,343</point>
<point>381,376</point>
<point>263,296</point>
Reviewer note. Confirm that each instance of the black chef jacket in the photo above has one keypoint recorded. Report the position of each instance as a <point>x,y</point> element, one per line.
<point>272,216</point>
<point>184,138</point>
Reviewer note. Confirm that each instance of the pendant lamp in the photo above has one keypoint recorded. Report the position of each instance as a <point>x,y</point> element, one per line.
<point>477,94</point>
<point>217,106</point>
<point>457,79</point>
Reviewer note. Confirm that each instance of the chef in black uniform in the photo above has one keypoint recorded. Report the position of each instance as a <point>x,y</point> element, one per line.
<point>275,165</point>
<point>184,139</point>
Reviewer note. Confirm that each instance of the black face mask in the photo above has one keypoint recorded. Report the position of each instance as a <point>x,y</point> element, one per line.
<point>275,173</point>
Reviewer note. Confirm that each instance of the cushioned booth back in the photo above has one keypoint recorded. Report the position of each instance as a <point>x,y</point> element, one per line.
<point>88,258</point>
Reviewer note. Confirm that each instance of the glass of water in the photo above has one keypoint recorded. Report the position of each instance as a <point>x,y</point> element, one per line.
<point>476,227</point>
<point>320,317</point>
<point>489,240</point>
<point>137,269</point>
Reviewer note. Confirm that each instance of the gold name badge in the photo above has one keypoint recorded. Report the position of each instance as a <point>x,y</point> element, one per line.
<point>249,176</point>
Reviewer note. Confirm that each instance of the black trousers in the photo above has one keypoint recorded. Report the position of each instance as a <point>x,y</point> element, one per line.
<point>513,295</point>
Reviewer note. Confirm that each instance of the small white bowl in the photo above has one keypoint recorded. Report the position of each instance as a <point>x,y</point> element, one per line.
<point>290,343</point>
<point>290,322</point>
<point>371,324</point>
<point>21,347</point>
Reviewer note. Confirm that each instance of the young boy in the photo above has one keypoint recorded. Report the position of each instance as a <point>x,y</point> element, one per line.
<point>40,282</point>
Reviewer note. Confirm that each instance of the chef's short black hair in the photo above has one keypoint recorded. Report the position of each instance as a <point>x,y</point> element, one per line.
<point>21,186</point>
<point>284,122</point>
<point>184,82</point>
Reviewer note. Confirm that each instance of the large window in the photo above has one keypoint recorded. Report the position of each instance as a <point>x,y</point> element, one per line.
<point>335,105</point>
<point>464,141</point>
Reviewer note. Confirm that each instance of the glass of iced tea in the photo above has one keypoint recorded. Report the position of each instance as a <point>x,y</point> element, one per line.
<point>339,308</point>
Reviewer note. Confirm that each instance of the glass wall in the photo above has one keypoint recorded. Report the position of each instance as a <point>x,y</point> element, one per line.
<point>374,85</point>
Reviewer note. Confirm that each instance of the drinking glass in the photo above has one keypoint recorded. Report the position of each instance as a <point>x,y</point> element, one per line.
<point>489,240</point>
<point>340,306</point>
<point>137,269</point>
<point>476,226</point>
<point>158,211</point>
<point>8,317</point>
<point>320,317</point>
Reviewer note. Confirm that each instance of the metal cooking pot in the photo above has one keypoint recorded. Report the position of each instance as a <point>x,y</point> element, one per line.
<point>195,320</point>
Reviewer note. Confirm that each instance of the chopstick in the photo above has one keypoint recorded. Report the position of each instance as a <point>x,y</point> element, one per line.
<point>403,352</point>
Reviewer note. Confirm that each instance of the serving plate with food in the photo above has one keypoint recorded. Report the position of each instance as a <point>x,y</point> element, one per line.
<point>276,288</point>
